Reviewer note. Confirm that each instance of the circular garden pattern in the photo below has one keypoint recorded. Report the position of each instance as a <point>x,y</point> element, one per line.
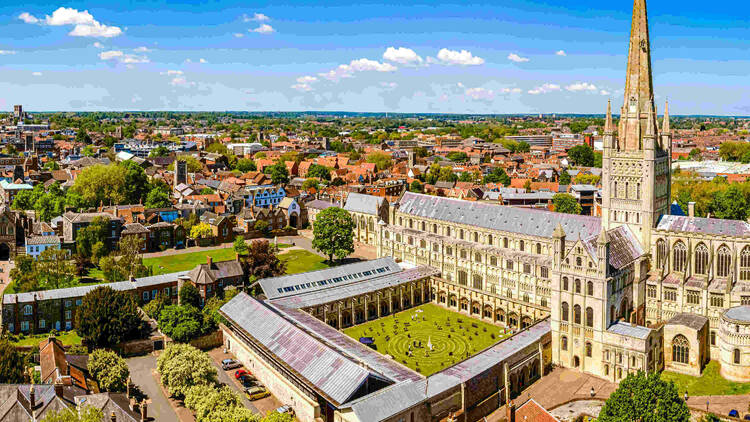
<point>428,338</point>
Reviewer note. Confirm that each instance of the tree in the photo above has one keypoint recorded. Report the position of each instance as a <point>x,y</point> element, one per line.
<point>564,178</point>
<point>189,295</point>
<point>381,160</point>
<point>582,155</point>
<point>262,226</point>
<point>309,184</point>
<point>204,400</point>
<point>321,172</point>
<point>183,323</point>
<point>136,182</point>
<point>54,269</point>
<point>107,317</point>
<point>278,172</point>
<point>566,203</point>
<point>100,184</point>
<point>109,370</point>
<point>11,364</point>
<point>245,165</point>
<point>333,233</point>
<point>96,232</point>
<point>415,186</point>
<point>497,175</point>
<point>207,191</point>
<point>182,366</point>
<point>648,397</point>
<point>24,274</point>
<point>457,156</point>
<point>193,164</point>
<point>262,260</point>
<point>158,196</point>
<point>71,414</point>
<point>729,204</point>
<point>82,136</point>
<point>153,309</point>
<point>240,246</point>
<point>201,231</point>
<point>159,151</point>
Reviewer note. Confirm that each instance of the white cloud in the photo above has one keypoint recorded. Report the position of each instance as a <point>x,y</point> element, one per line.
<point>7,52</point>
<point>480,93</point>
<point>36,73</point>
<point>462,58</point>
<point>181,81</point>
<point>359,65</point>
<point>560,53</point>
<point>69,16</point>
<point>98,45</point>
<point>389,85</point>
<point>511,90</point>
<point>581,86</point>
<point>172,72</point>
<point>302,87</point>
<point>238,35</point>
<point>307,79</point>
<point>95,30</point>
<point>28,18</point>
<point>460,85</point>
<point>402,55</point>
<point>604,92</point>
<point>516,58</point>
<point>257,17</point>
<point>202,60</point>
<point>122,57</point>
<point>142,49</point>
<point>543,89</point>
<point>263,29</point>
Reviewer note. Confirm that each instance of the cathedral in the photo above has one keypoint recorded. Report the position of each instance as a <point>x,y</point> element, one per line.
<point>637,289</point>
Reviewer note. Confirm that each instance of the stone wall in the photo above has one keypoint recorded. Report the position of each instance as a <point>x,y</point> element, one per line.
<point>208,341</point>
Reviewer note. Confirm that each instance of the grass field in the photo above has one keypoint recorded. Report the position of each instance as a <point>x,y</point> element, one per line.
<point>68,338</point>
<point>710,383</point>
<point>454,337</point>
<point>302,261</point>
<point>187,261</point>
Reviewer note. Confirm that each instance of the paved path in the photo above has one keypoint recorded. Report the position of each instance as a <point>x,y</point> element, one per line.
<point>140,373</point>
<point>721,405</point>
<point>227,377</point>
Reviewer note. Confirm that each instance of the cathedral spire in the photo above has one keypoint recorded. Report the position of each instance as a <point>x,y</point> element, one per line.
<point>666,128</point>
<point>608,126</point>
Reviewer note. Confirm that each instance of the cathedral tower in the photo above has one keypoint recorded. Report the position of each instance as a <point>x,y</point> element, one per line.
<point>637,157</point>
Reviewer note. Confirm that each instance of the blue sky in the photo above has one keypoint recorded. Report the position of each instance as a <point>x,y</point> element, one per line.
<point>514,56</point>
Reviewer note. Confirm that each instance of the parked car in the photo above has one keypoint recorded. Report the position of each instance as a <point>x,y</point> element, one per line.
<point>239,373</point>
<point>734,413</point>
<point>248,380</point>
<point>257,392</point>
<point>285,409</point>
<point>228,364</point>
<point>747,417</point>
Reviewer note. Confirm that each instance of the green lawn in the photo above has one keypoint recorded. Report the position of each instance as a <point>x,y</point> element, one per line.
<point>453,336</point>
<point>709,383</point>
<point>68,338</point>
<point>187,261</point>
<point>302,261</point>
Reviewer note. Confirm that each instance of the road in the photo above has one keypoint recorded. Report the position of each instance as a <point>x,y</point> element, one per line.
<point>140,374</point>
<point>227,378</point>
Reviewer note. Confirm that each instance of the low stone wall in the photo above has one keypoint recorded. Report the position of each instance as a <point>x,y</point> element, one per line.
<point>208,341</point>
<point>139,347</point>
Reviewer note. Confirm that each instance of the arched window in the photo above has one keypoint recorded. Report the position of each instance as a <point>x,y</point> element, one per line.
<point>539,248</point>
<point>589,288</point>
<point>462,276</point>
<point>434,228</point>
<point>493,261</point>
<point>489,239</point>
<point>476,237</point>
<point>661,253</point>
<point>745,263</point>
<point>737,356</point>
<point>638,191</point>
<point>680,349</point>
<point>505,242</point>
<point>701,259</point>
<point>477,282</point>
<point>680,256</point>
<point>447,231</point>
<point>578,286</point>
<point>565,284</point>
<point>565,315</point>
<point>588,349</point>
<point>564,343</point>
<point>520,245</point>
<point>423,226</point>
<point>461,234</point>
<point>627,194</point>
<point>478,257</point>
<point>723,261</point>
<point>590,317</point>
<point>577,314</point>
<point>579,262</point>
<point>614,189</point>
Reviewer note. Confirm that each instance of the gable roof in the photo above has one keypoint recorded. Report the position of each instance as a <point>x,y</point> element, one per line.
<point>717,226</point>
<point>361,203</point>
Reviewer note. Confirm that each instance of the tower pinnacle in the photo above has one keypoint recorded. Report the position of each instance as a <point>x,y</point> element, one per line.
<point>666,128</point>
<point>608,127</point>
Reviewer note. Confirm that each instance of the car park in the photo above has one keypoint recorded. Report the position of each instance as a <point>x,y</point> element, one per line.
<point>239,373</point>
<point>285,409</point>
<point>257,392</point>
<point>228,364</point>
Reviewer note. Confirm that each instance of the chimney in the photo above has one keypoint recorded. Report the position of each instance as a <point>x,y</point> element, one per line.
<point>112,417</point>
<point>691,209</point>
<point>67,368</point>
<point>511,412</point>
<point>128,388</point>
<point>144,411</point>
<point>210,261</point>
<point>58,388</point>
<point>32,397</point>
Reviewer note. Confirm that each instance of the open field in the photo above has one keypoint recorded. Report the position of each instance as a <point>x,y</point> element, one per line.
<point>68,338</point>
<point>301,261</point>
<point>406,335</point>
<point>710,383</point>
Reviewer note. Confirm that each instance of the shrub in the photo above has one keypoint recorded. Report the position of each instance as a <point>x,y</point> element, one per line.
<point>109,370</point>
<point>182,366</point>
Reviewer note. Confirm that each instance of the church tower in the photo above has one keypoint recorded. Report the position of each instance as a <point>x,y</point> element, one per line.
<point>637,157</point>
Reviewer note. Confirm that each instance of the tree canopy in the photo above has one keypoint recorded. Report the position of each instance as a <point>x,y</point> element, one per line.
<point>109,370</point>
<point>647,396</point>
<point>582,155</point>
<point>182,366</point>
<point>11,364</point>
<point>107,317</point>
<point>566,203</point>
<point>333,233</point>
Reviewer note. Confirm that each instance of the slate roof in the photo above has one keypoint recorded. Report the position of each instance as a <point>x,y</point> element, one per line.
<point>319,204</point>
<point>361,203</point>
<point>318,280</point>
<point>696,322</point>
<point>739,313</point>
<point>624,247</point>
<point>716,226</point>
<point>324,369</point>
<point>134,228</point>
<point>630,330</point>
<point>43,240</point>
<point>203,274</point>
<point>498,217</point>
<point>390,401</point>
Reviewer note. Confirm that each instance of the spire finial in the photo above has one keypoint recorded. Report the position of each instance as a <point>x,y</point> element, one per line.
<point>608,127</point>
<point>651,122</point>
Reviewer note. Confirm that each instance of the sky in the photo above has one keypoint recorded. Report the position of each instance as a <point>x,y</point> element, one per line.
<point>478,57</point>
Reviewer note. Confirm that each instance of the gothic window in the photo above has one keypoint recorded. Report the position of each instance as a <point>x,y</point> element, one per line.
<point>614,190</point>
<point>462,278</point>
<point>737,356</point>
<point>565,316</point>
<point>564,343</point>
<point>578,286</point>
<point>590,317</point>
<point>477,281</point>
<point>493,261</point>
<point>508,264</point>
<point>478,257</point>
<point>463,254</point>
<point>565,283</point>
<point>680,256</point>
<point>661,253</point>
<point>476,237</point>
<point>723,261</point>
<point>544,272</point>
<point>449,251</point>
<point>505,242</point>
<point>745,263</point>
<point>526,298</point>
<point>539,248</point>
<point>579,262</point>
<point>577,314</point>
<point>447,231</point>
<point>422,244</point>
<point>638,191</point>
<point>627,195</point>
<point>589,288</point>
<point>693,297</point>
<point>461,234</point>
<point>423,226</point>
<point>680,349</point>
<point>701,259</point>
<point>717,300</point>
<point>713,338</point>
<point>434,228</point>
<point>670,294</point>
<point>489,239</point>
<point>588,349</point>
<point>520,245</point>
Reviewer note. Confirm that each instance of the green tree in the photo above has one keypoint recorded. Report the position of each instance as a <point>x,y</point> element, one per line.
<point>158,197</point>
<point>155,306</point>
<point>333,233</point>
<point>183,323</point>
<point>23,274</point>
<point>582,155</point>
<point>729,204</point>
<point>262,260</point>
<point>193,164</point>
<point>11,363</point>
<point>107,317</point>
<point>136,182</point>
<point>101,184</point>
<point>189,295</point>
<point>82,136</point>
<point>182,366</point>
<point>566,203</point>
<point>381,160</point>
<point>96,232</point>
<point>262,226</point>
<point>109,370</point>
<point>309,184</point>
<point>71,414</point>
<point>240,246</point>
<point>204,400</point>
<point>321,172</point>
<point>497,175</point>
<point>245,165</point>
<point>54,269</point>
<point>278,172</point>
<point>415,186</point>
<point>644,397</point>
<point>159,151</point>
<point>457,156</point>
<point>564,178</point>
<point>201,231</point>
